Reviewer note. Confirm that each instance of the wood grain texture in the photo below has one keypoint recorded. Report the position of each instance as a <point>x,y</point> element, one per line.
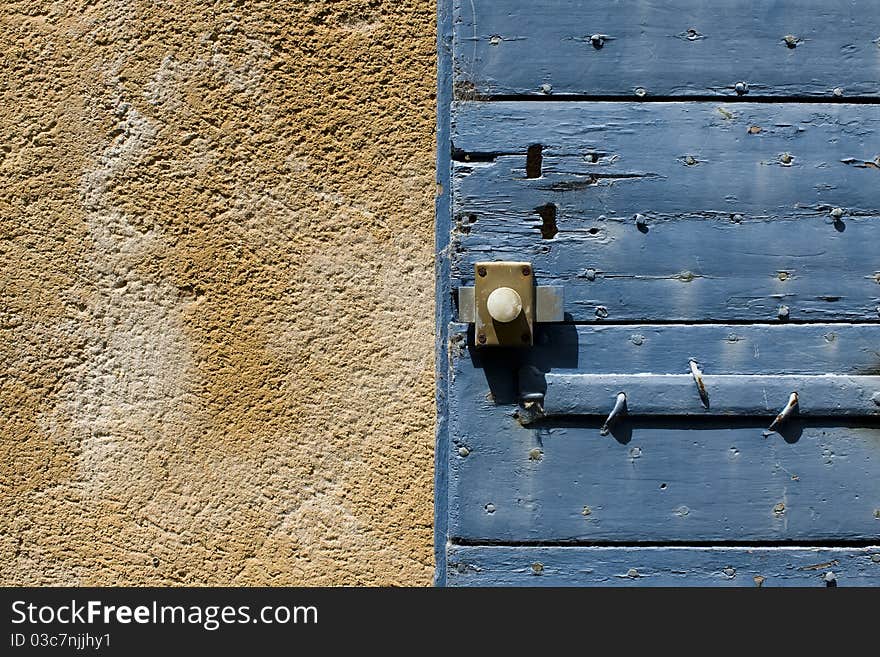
<point>660,480</point>
<point>688,213</point>
<point>822,395</point>
<point>667,48</point>
<point>663,566</point>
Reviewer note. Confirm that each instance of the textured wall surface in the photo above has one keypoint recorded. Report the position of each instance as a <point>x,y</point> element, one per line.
<point>216,277</point>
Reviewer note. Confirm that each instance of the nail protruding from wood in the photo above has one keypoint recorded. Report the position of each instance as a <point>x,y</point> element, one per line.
<point>785,413</point>
<point>698,379</point>
<point>618,410</point>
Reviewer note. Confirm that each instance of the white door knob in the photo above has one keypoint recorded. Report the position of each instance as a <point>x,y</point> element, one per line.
<point>504,304</point>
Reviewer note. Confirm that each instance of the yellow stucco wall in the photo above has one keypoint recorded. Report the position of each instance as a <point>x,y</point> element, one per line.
<point>216,278</point>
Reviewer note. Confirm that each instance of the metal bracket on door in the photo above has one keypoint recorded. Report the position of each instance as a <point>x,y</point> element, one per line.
<point>505,304</point>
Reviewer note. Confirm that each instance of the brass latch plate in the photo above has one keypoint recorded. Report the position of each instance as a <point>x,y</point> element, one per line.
<point>517,276</point>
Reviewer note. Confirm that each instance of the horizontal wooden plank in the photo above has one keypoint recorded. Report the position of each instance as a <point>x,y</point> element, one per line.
<point>667,48</point>
<point>706,223</point>
<point>663,566</point>
<point>820,395</point>
<point>660,480</point>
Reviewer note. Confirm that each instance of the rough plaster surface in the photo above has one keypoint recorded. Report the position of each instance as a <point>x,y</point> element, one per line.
<point>216,275</point>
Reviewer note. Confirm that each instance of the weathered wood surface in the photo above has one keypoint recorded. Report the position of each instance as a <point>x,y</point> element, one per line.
<point>667,48</point>
<point>687,213</point>
<point>663,566</point>
<point>657,480</point>
<point>821,395</point>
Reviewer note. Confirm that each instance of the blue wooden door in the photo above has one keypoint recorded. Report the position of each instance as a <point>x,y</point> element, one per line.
<point>697,185</point>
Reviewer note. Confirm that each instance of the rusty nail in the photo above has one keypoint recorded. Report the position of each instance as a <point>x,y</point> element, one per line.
<point>537,568</point>
<point>481,338</point>
<point>587,511</point>
<point>741,88</point>
<point>785,413</point>
<point>481,271</point>
<point>526,271</point>
<point>786,158</point>
<point>759,580</point>
<point>690,160</point>
<point>698,379</point>
<point>618,410</point>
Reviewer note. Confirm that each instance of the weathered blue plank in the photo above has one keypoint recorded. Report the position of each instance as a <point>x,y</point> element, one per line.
<point>660,480</point>
<point>442,287</point>
<point>685,214</point>
<point>820,395</point>
<point>663,566</point>
<point>667,47</point>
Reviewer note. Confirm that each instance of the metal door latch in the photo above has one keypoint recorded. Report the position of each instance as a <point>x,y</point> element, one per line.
<point>505,304</point>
